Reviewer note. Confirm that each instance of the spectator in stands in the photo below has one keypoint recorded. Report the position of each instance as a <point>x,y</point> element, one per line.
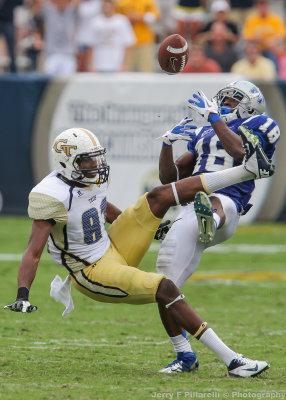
<point>189,16</point>
<point>111,36</point>
<point>31,43</point>
<point>254,65</point>
<point>166,24</point>
<point>219,10</point>
<point>198,62</point>
<point>264,27</point>
<point>218,48</point>
<point>279,50</point>
<point>7,28</point>
<point>87,11</point>
<point>240,10</point>
<point>142,14</point>
<point>59,18</point>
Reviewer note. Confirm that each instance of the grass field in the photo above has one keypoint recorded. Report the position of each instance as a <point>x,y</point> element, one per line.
<point>111,352</point>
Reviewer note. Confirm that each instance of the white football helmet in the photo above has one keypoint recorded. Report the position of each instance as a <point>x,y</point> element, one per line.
<point>74,145</point>
<point>251,101</point>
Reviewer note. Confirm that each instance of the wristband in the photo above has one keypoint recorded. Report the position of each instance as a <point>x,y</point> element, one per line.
<point>23,293</point>
<point>214,118</point>
<point>166,145</point>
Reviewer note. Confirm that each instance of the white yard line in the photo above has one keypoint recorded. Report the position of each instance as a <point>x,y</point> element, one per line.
<point>238,248</point>
<point>18,257</point>
<point>222,248</point>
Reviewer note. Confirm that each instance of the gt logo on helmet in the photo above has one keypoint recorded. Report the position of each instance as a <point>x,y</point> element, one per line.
<point>65,148</point>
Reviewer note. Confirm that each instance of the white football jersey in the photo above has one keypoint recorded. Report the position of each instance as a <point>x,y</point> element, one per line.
<point>78,215</point>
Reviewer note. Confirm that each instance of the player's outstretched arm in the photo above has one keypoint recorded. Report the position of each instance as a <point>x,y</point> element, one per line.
<point>170,171</point>
<point>230,141</point>
<point>29,264</point>
<point>209,110</point>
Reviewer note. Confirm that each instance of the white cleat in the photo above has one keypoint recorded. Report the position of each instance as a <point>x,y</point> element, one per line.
<point>243,367</point>
<point>255,160</point>
<point>204,212</point>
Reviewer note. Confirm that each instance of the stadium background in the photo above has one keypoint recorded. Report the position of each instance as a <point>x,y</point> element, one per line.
<point>128,112</point>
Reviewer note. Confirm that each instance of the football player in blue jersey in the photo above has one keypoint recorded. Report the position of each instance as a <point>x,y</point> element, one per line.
<point>212,218</point>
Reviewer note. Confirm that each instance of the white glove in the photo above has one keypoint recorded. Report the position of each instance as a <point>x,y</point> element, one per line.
<point>182,131</point>
<point>21,306</point>
<point>202,105</point>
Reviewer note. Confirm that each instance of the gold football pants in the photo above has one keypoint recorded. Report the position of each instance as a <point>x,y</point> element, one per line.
<point>114,278</point>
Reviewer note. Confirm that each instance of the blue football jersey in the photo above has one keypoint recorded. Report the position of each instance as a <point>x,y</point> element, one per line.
<point>211,156</point>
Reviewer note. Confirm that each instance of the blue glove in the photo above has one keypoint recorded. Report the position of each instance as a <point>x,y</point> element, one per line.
<point>202,105</point>
<point>182,131</point>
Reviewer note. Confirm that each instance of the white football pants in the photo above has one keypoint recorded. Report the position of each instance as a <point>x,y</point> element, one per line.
<point>181,250</point>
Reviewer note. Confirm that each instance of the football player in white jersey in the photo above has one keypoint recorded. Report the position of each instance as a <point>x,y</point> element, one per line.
<point>69,209</point>
<point>212,219</point>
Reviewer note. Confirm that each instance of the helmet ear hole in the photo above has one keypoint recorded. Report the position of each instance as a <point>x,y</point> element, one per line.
<point>63,164</point>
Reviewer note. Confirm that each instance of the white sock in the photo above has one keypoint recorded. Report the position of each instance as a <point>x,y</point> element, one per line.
<point>217,220</point>
<point>217,180</point>
<point>210,339</point>
<point>181,343</point>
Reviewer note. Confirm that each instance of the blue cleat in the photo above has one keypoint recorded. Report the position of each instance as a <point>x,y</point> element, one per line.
<point>185,362</point>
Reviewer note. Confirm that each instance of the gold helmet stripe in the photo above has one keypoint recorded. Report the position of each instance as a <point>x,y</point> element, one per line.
<point>92,138</point>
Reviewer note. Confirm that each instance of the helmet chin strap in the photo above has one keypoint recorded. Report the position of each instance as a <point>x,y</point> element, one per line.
<point>79,177</point>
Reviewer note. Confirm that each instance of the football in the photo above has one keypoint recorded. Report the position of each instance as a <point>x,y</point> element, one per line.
<point>173,54</point>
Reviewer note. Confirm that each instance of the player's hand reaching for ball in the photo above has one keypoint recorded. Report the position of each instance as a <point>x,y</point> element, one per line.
<point>202,105</point>
<point>183,131</point>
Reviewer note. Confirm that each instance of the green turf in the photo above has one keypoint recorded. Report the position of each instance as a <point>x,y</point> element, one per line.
<point>113,352</point>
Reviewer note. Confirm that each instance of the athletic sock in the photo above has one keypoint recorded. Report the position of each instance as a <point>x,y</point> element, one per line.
<point>220,179</point>
<point>217,220</point>
<point>210,339</point>
<point>181,343</point>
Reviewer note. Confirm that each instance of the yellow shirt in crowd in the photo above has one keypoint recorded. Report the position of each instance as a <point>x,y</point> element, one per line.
<point>139,9</point>
<point>263,29</point>
<point>262,69</point>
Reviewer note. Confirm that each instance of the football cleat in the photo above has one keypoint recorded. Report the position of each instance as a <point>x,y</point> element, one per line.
<point>243,367</point>
<point>255,160</point>
<point>204,212</point>
<point>185,362</point>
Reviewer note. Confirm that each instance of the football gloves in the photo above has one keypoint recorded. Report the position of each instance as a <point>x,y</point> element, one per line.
<point>162,230</point>
<point>21,306</point>
<point>182,131</point>
<point>202,105</point>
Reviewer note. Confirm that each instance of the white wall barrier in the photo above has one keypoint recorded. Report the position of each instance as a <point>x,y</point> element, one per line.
<point>128,112</point>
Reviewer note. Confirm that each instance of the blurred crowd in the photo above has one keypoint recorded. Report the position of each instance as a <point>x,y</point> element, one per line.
<point>62,37</point>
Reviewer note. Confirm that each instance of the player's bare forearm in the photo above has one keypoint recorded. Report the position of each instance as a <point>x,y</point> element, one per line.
<point>27,270</point>
<point>112,212</point>
<point>230,141</point>
<point>167,168</point>
<point>29,264</point>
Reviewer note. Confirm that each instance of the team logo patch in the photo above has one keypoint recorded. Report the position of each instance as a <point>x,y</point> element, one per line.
<point>64,147</point>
